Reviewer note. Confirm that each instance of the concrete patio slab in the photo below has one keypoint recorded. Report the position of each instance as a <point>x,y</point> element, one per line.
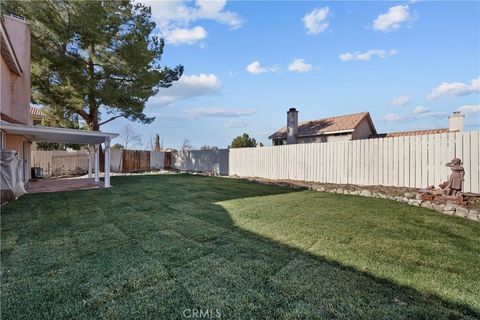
<point>63,184</point>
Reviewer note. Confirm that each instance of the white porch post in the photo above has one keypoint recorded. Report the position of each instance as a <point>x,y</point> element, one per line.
<point>107,162</point>
<point>90,161</point>
<point>97,163</point>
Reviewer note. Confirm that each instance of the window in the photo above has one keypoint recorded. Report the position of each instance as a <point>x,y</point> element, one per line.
<point>277,142</point>
<point>2,140</point>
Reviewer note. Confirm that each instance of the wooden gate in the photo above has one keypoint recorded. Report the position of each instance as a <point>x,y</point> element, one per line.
<point>168,161</point>
<point>135,161</point>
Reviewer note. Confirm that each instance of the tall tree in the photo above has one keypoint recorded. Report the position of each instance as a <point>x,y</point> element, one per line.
<point>130,138</point>
<point>243,141</point>
<point>187,145</point>
<point>96,59</point>
<point>156,143</point>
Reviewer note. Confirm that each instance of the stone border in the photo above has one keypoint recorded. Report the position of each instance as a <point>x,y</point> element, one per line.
<point>411,196</point>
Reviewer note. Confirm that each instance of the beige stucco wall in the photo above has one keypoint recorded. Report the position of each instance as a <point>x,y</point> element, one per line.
<point>6,90</point>
<point>346,137</point>
<point>16,90</point>
<point>311,139</point>
<point>362,131</point>
<point>15,142</point>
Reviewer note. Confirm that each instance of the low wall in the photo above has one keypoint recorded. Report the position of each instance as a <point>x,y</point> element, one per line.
<point>215,161</point>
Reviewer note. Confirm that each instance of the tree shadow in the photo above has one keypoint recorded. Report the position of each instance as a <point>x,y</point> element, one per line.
<point>165,245</point>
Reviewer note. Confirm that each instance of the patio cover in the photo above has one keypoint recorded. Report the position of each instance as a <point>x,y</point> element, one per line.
<point>62,135</point>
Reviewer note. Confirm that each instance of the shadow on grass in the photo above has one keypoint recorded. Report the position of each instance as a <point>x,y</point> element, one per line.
<point>155,246</point>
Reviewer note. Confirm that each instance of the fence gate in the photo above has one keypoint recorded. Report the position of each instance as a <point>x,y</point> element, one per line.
<point>135,161</point>
<point>168,161</point>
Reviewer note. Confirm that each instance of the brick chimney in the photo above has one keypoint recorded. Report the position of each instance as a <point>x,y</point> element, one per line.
<point>292,126</point>
<point>455,122</point>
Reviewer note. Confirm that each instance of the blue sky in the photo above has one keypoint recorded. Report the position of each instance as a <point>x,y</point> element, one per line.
<point>409,64</point>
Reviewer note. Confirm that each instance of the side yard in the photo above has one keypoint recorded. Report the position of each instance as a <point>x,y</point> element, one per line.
<point>155,246</point>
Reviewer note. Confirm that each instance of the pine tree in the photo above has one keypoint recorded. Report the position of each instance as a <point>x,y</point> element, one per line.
<point>96,59</point>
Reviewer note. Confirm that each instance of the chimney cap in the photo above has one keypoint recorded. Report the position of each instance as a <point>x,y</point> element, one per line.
<point>457,114</point>
<point>291,110</point>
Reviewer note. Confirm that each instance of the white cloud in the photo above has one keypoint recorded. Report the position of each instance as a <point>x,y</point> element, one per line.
<point>181,13</point>
<point>173,18</point>
<point>237,124</point>
<point>400,101</point>
<point>391,117</point>
<point>469,109</point>
<point>196,113</point>
<point>394,117</point>
<point>185,36</point>
<point>315,21</point>
<point>256,68</point>
<point>188,87</point>
<point>454,89</point>
<point>365,56</point>
<point>393,19</point>
<point>299,65</point>
<point>420,109</point>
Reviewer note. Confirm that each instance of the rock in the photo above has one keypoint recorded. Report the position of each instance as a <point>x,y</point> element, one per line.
<point>449,207</point>
<point>427,205</point>
<point>356,192</point>
<point>461,210</point>
<point>383,196</point>
<point>399,199</point>
<point>332,190</point>
<point>366,193</point>
<point>438,207</point>
<point>416,202</point>
<point>320,189</point>
<point>472,211</point>
<point>346,191</point>
<point>339,190</point>
<point>408,195</point>
<point>418,196</point>
<point>472,216</point>
<point>449,212</point>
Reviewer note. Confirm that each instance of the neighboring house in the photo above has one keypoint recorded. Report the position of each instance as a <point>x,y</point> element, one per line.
<point>338,128</point>
<point>38,117</point>
<point>455,124</point>
<point>15,84</point>
<point>346,127</point>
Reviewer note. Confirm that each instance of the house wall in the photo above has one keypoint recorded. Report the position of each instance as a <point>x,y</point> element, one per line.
<point>15,142</point>
<point>362,131</point>
<point>6,87</point>
<point>313,139</point>
<point>16,102</point>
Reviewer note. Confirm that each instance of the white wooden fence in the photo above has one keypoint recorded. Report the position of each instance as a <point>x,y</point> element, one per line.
<point>415,161</point>
<point>57,163</point>
<point>216,161</point>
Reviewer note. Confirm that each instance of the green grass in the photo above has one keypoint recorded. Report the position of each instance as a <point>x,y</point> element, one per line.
<point>153,246</point>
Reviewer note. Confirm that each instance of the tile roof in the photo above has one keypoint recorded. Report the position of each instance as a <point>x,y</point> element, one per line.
<point>410,133</point>
<point>326,125</point>
<point>9,119</point>
<point>36,112</point>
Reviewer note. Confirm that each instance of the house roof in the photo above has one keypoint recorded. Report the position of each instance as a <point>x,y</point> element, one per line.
<point>410,133</point>
<point>7,51</point>
<point>7,118</point>
<point>337,124</point>
<point>37,113</point>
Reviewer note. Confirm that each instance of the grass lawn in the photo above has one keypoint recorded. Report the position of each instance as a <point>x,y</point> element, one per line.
<point>155,245</point>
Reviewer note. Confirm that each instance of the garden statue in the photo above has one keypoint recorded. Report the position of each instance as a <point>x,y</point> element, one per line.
<point>454,185</point>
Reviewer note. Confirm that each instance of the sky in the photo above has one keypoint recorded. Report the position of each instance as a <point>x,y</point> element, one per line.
<point>410,64</point>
